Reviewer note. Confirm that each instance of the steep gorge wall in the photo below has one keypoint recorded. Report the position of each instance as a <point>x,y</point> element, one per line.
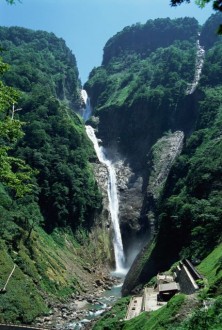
<point>188,203</point>
<point>137,96</point>
<point>44,232</point>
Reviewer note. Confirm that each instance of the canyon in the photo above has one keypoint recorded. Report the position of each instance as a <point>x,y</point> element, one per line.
<point>126,169</point>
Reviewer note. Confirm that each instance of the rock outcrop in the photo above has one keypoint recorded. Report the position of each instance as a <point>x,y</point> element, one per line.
<point>163,154</point>
<point>162,157</point>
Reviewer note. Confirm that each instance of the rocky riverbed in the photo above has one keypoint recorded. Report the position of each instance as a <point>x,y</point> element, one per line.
<point>81,310</point>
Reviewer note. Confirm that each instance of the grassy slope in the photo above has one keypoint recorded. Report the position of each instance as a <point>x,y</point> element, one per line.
<point>182,312</point>
<point>211,268</point>
<point>51,263</point>
<point>21,293</point>
<point>111,319</point>
<point>157,320</point>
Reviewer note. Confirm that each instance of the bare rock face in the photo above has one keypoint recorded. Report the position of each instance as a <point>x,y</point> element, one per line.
<point>136,205</point>
<point>130,195</point>
<point>101,175</point>
<point>164,153</point>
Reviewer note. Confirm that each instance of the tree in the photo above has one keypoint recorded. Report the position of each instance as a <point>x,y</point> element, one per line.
<point>11,2</point>
<point>217,5</point>
<point>14,173</point>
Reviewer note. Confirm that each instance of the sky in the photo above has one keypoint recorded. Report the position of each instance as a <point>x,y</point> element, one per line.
<point>86,25</point>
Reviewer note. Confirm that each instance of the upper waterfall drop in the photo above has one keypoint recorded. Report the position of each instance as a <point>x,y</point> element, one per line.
<point>198,68</point>
<point>113,201</point>
<point>88,109</point>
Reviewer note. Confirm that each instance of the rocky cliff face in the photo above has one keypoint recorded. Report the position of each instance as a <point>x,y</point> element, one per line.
<point>130,202</point>
<point>137,95</point>
<point>162,157</point>
<point>188,201</point>
<point>164,152</point>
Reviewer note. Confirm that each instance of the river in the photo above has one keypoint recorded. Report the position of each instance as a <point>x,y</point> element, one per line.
<point>92,311</point>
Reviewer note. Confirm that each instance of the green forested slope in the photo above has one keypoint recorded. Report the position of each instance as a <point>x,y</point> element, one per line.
<point>39,58</point>
<point>139,91</point>
<point>189,219</point>
<point>42,231</point>
<point>149,102</point>
<point>55,142</point>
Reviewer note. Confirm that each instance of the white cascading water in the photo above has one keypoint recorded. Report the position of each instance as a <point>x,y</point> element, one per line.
<point>111,189</point>
<point>113,200</point>
<point>198,68</point>
<point>87,110</point>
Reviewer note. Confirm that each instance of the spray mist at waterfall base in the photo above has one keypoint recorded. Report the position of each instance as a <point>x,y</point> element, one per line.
<point>120,273</point>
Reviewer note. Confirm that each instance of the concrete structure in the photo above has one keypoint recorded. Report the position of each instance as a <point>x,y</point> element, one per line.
<point>150,302</point>
<point>163,278</point>
<point>186,275</point>
<point>183,280</point>
<point>134,308</point>
<point>167,291</point>
<point>146,303</point>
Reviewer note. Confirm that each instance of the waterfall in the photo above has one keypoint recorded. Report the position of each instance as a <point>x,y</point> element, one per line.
<point>87,110</point>
<point>113,200</point>
<point>198,68</point>
<point>111,189</point>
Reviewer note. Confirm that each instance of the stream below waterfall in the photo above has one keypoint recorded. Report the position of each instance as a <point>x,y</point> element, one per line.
<point>91,311</point>
<point>81,313</point>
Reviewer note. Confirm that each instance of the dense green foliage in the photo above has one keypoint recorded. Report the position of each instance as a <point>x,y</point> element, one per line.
<point>55,142</point>
<point>38,58</point>
<point>211,268</point>
<point>146,38</point>
<point>62,192</point>
<point>113,319</point>
<point>189,219</point>
<point>139,93</point>
<point>13,171</point>
<point>141,85</point>
<point>209,319</point>
<point>193,193</point>
<point>209,31</point>
<point>20,295</point>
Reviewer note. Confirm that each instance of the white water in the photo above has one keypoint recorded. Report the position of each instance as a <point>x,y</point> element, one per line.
<point>88,109</point>
<point>113,201</point>
<point>198,68</point>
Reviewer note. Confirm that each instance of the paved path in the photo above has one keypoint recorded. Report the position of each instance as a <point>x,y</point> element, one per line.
<point>150,300</point>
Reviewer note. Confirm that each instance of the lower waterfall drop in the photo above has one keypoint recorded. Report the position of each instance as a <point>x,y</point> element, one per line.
<point>87,110</point>
<point>113,201</point>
